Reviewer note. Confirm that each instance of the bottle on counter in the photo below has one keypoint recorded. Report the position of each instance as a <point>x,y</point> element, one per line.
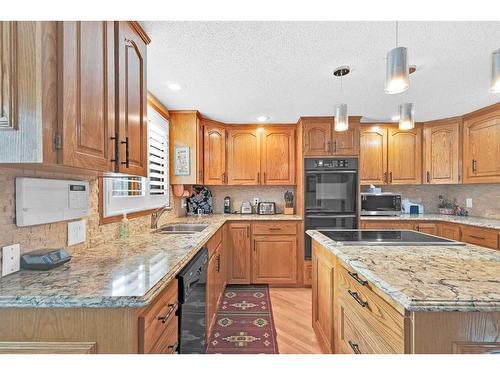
<point>124,228</point>
<point>227,205</point>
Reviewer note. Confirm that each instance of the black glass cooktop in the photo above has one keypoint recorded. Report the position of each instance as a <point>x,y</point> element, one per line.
<point>385,237</point>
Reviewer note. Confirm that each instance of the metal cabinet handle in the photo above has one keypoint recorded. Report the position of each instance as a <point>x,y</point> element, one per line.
<point>117,149</point>
<point>477,237</point>
<point>258,177</point>
<point>334,146</point>
<point>390,177</point>
<point>218,263</point>
<point>355,276</point>
<point>329,146</point>
<point>474,165</point>
<point>274,228</point>
<point>354,347</point>
<point>355,295</point>
<point>264,177</point>
<point>248,231</point>
<point>428,176</point>
<point>385,177</point>
<point>126,143</point>
<point>173,348</point>
<point>223,177</point>
<point>172,308</point>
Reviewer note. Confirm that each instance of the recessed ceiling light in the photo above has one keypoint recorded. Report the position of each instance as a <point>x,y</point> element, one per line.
<point>174,86</point>
<point>263,118</point>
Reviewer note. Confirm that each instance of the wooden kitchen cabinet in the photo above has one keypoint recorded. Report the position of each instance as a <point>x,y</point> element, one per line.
<point>274,260</point>
<point>480,236</point>
<point>429,228</point>
<point>450,231</point>
<point>239,253</point>
<point>320,138</point>
<point>346,143</point>
<point>404,161</point>
<point>373,155</point>
<point>243,156</point>
<point>387,224</point>
<point>186,130</point>
<point>214,152</point>
<point>441,151</point>
<point>278,155</point>
<point>87,82</point>
<point>481,146</point>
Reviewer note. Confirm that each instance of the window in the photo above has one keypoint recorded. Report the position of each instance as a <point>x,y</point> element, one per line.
<point>131,194</point>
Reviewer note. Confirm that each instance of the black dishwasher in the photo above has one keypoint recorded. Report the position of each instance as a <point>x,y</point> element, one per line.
<point>192,303</point>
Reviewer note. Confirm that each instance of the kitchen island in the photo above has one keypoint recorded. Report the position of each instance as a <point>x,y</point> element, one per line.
<point>107,299</point>
<point>405,299</point>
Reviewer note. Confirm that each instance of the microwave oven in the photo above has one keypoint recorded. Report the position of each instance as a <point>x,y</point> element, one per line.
<point>380,204</point>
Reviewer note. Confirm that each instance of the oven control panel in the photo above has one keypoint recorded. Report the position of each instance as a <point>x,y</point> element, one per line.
<point>331,163</point>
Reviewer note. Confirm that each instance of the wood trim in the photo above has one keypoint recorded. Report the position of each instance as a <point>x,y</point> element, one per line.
<point>140,31</point>
<point>29,347</point>
<point>482,111</point>
<point>158,106</point>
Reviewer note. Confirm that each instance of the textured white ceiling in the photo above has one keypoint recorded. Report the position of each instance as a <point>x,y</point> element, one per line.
<point>235,71</point>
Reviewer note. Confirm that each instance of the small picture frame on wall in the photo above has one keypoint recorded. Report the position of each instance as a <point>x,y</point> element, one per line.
<point>181,161</point>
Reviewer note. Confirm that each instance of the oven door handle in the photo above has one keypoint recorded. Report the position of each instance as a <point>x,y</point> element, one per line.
<point>328,216</point>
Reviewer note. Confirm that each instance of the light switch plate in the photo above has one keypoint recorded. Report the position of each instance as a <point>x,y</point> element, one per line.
<point>10,259</point>
<point>76,232</point>
<point>468,202</point>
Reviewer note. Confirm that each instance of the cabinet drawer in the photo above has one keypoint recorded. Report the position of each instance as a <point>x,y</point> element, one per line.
<point>274,228</point>
<point>368,224</point>
<point>168,341</point>
<point>375,313</point>
<point>481,237</point>
<point>356,337</point>
<point>214,242</point>
<point>155,320</point>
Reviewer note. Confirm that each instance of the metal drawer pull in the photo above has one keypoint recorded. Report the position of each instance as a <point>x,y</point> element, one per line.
<point>173,307</point>
<point>173,348</point>
<point>354,347</point>
<point>355,276</point>
<point>274,228</point>
<point>477,237</point>
<point>355,295</point>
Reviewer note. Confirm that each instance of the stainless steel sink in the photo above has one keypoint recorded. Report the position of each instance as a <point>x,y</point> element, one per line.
<point>182,228</point>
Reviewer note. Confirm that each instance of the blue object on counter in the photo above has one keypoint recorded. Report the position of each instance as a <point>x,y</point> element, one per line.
<point>414,209</point>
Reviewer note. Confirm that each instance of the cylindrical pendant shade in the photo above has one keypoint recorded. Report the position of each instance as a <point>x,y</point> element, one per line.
<point>341,120</point>
<point>406,116</point>
<point>397,75</point>
<point>495,71</point>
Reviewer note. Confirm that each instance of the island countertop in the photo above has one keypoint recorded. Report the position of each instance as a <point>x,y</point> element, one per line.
<point>426,278</point>
<point>121,273</point>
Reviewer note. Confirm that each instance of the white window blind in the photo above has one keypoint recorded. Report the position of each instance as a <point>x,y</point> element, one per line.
<point>130,194</point>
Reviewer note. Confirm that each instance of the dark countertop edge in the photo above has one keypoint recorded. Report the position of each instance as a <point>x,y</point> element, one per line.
<point>403,300</point>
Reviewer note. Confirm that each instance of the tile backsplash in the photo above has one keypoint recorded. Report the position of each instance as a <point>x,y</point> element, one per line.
<point>485,197</point>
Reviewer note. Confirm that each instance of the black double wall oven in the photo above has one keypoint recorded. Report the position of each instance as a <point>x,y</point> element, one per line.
<point>330,195</point>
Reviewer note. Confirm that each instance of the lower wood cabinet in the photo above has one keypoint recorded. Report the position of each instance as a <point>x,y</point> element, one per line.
<point>429,228</point>
<point>386,224</point>
<point>274,260</point>
<point>480,236</point>
<point>216,276</point>
<point>450,231</point>
<point>239,253</point>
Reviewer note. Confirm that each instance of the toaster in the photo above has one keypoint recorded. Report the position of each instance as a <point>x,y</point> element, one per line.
<point>266,208</point>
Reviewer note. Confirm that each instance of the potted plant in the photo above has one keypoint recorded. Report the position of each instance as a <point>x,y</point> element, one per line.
<point>446,206</point>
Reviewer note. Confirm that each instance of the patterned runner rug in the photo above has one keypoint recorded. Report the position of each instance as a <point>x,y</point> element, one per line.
<point>244,322</point>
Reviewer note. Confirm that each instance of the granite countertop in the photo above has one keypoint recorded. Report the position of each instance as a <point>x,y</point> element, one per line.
<point>466,220</point>
<point>121,273</point>
<point>427,278</point>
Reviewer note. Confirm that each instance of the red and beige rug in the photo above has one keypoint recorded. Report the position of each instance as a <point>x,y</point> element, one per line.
<point>244,322</point>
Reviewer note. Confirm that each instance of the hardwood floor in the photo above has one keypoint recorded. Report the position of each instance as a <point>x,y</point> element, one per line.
<point>292,311</point>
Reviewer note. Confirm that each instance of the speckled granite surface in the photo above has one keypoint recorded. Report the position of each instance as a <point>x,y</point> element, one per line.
<point>466,220</point>
<point>427,278</point>
<point>126,273</point>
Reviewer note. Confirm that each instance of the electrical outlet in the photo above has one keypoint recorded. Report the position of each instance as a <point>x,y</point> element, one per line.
<point>183,203</point>
<point>468,202</point>
<point>256,201</point>
<point>76,232</point>
<point>10,259</point>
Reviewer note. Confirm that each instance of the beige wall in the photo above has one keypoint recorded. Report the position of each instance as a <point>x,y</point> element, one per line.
<point>55,234</point>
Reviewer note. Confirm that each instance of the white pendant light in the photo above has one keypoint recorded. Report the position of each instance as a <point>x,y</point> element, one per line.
<point>341,119</point>
<point>406,116</point>
<point>397,70</point>
<point>495,71</point>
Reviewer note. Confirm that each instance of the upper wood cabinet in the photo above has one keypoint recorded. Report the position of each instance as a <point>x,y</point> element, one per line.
<point>132,100</point>
<point>441,151</point>
<point>320,138</point>
<point>186,131</point>
<point>373,155</point>
<point>243,156</point>
<point>404,160</point>
<point>214,153</point>
<point>87,81</point>
<point>481,148</point>
<point>278,155</point>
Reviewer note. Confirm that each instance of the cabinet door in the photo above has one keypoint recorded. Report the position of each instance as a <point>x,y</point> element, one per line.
<point>274,260</point>
<point>214,153</point>
<point>428,228</point>
<point>239,253</point>
<point>243,157</point>
<point>323,283</point>
<point>132,99</point>
<point>481,157</point>
<point>199,152</point>
<point>318,137</point>
<point>405,156</point>
<point>382,224</point>
<point>346,143</point>
<point>211,291</point>
<point>88,87</point>
<point>441,152</point>
<point>373,156</point>
<point>278,156</point>
<point>451,231</point>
